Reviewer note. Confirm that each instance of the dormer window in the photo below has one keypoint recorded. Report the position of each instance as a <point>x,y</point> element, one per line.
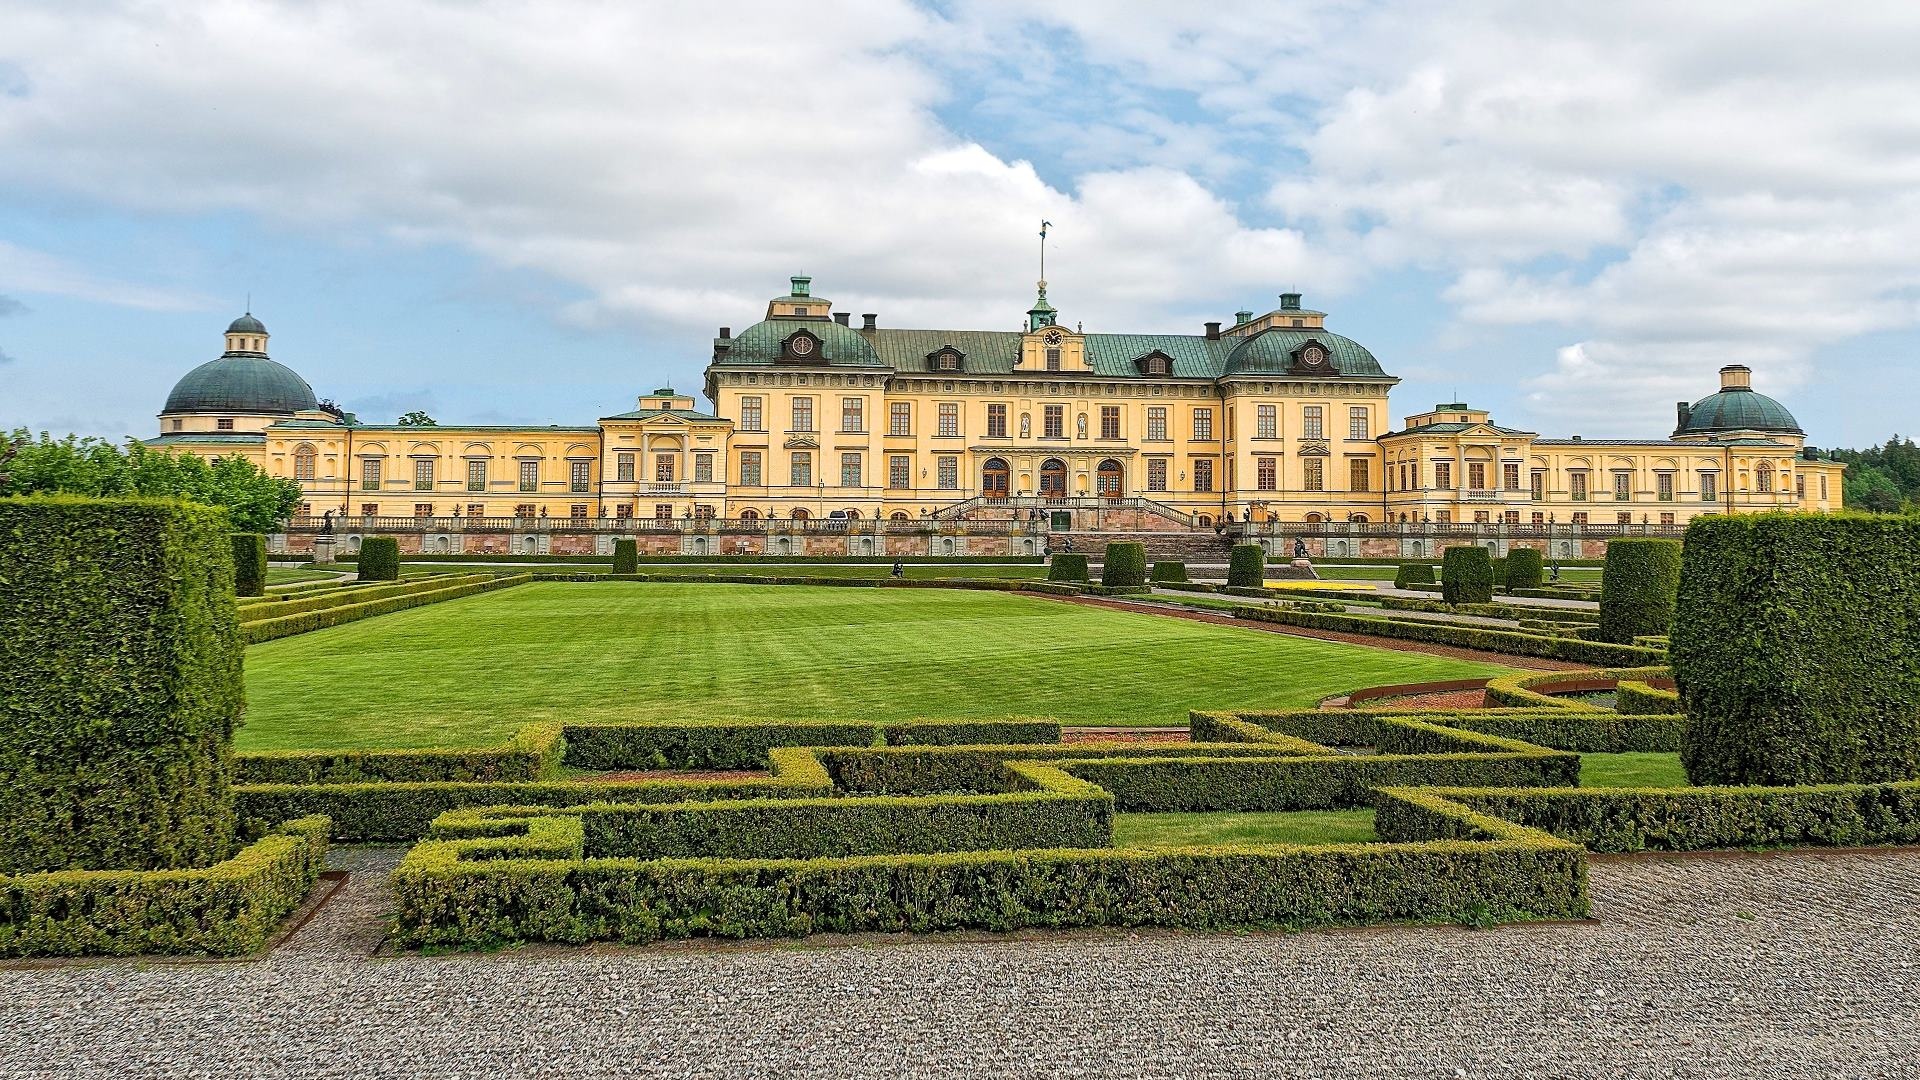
<point>801,346</point>
<point>946,358</point>
<point>1312,359</point>
<point>799,310</point>
<point>1154,363</point>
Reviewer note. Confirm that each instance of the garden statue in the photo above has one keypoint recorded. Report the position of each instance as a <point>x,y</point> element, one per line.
<point>1299,548</point>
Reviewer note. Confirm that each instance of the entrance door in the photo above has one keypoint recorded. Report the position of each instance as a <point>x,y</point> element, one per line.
<point>1107,479</point>
<point>1053,478</point>
<point>995,479</point>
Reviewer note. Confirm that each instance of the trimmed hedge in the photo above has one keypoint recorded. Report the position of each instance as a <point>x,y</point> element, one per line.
<point>288,625</point>
<point>1466,575</point>
<point>1067,566</point>
<point>1596,732</point>
<point>716,559</point>
<point>119,684</point>
<point>379,559</point>
<point>1526,569</point>
<point>1413,574</point>
<point>249,564</point>
<point>1633,697</point>
<point>228,909</point>
<point>1797,649</point>
<point>1494,610</point>
<point>1125,566</point>
<point>1166,571</point>
<point>274,607</point>
<point>534,752</point>
<point>1247,567</point>
<point>626,556</point>
<point>1638,589</point>
<point>1486,639</point>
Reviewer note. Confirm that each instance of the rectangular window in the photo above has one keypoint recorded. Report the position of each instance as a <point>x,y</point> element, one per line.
<point>1663,483</point>
<point>1477,475</point>
<point>703,512</point>
<point>1510,475</point>
<point>1482,517</point>
<point>579,476</point>
<point>949,472</point>
<point>1266,473</point>
<point>1359,477</point>
<point>623,467</point>
<point>1443,516</point>
<point>530,476</point>
<point>1622,485</point>
<point>225,423</point>
<point>850,470</point>
<point>996,421</point>
<point>1405,476</point>
<point>1800,485</point>
<point>370,474</point>
<point>1157,423</point>
<point>1053,422</point>
<point>949,419</point>
<point>1580,517</point>
<point>623,511</point>
<point>475,510</point>
<point>1624,517</point>
<point>1539,518</point>
<point>1053,359</point>
<point>899,472</point>
<point>900,418</point>
<point>1156,474</point>
<point>423,510</point>
<point>1443,474</point>
<point>1203,424</point>
<point>663,511</point>
<point>423,475</point>
<point>1202,476</point>
<point>703,468</point>
<point>1312,424</point>
<point>663,468</point>
<point>1266,422</point>
<point>476,476</point>
<point>750,468</point>
<point>802,414</point>
<point>303,465</point>
<point>1577,485</point>
<point>578,511</point>
<point>1539,491</point>
<point>524,510</point>
<point>1358,426</point>
<point>1666,519</point>
<point>800,472</point>
<point>1709,486</point>
<point>1823,487</point>
<point>853,415</point>
<point>1315,474</point>
<point>1109,421</point>
<point>751,418</point>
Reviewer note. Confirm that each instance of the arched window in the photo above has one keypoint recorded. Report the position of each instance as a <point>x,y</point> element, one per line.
<point>303,459</point>
<point>995,478</point>
<point>1359,518</point>
<point>1204,521</point>
<point>1313,519</point>
<point>800,515</point>
<point>1107,479</point>
<point>851,515</point>
<point>1053,478</point>
<point>749,514</point>
<point>1763,476</point>
<point>898,515</point>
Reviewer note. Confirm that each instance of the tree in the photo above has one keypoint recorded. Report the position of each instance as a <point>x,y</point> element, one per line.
<point>1868,488</point>
<point>255,501</point>
<point>416,418</point>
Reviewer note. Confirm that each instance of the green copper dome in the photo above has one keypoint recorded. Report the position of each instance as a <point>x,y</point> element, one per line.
<point>241,383</point>
<point>764,343</point>
<point>246,324</point>
<point>1272,352</point>
<point>1738,409</point>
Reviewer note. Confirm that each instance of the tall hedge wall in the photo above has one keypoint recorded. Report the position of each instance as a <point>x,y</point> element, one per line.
<point>1466,575</point>
<point>1247,567</point>
<point>119,684</point>
<point>379,559</point>
<point>1796,647</point>
<point>1125,565</point>
<point>626,556</point>
<point>1638,588</point>
<point>249,564</point>
<point>1066,566</point>
<point>1526,569</point>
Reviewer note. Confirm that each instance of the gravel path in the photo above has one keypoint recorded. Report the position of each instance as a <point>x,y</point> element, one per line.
<point>1790,965</point>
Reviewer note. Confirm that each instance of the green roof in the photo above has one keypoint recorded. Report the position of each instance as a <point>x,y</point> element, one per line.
<point>241,383</point>
<point>174,437</point>
<point>1452,428</point>
<point>648,414</point>
<point>1738,409</point>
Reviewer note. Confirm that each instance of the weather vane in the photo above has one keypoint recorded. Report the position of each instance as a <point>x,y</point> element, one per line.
<point>1044,226</point>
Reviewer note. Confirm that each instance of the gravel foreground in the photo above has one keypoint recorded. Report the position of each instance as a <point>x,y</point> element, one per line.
<point>1802,964</point>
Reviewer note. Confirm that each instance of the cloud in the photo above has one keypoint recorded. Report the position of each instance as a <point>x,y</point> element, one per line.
<point>6,357</point>
<point>9,306</point>
<point>30,271</point>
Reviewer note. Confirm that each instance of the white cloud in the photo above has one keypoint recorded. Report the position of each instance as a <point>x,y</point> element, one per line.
<point>29,271</point>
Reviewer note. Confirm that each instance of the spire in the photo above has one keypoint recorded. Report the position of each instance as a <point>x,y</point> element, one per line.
<point>1041,313</point>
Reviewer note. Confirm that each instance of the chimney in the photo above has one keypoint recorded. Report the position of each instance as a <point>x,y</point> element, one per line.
<point>1685,413</point>
<point>867,321</point>
<point>1242,318</point>
<point>841,317</point>
<point>726,332</point>
<point>1289,301</point>
<point>1736,377</point>
<point>1213,331</point>
<point>801,284</point>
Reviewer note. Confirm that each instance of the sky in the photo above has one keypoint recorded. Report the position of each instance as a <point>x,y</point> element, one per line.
<point>535,212</point>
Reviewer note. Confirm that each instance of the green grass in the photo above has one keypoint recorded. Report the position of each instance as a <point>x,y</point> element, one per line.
<point>771,570</point>
<point>294,575</point>
<point>1631,770</point>
<point>1336,572</point>
<point>470,671</point>
<point>1296,827</point>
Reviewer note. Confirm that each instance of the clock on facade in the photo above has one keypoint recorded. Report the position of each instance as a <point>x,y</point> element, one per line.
<point>800,345</point>
<point>1053,337</point>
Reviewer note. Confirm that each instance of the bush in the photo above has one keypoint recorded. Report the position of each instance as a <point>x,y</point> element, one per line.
<point>1247,567</point>
<point>249,564</point>
<point>119,684</point>
<point>267,629</point>
<point>1638,587</point>
<point>1466,637</point>
<point>1067,566</point>
<point>1635,698</point>
<point>626,556</point>
<point>1413,574</point>
<point>1796,648</point>
<point>1466,575</point>
<point>379,559</point>
<point>1526,569</point>
<point>1125,566</point>
<point>1165,571</point>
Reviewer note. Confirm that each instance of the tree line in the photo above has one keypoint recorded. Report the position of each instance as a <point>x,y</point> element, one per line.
<point>36,465</point>
<point>1883,479</point>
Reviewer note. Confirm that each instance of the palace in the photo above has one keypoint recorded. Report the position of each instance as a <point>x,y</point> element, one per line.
<point>1270,418</point>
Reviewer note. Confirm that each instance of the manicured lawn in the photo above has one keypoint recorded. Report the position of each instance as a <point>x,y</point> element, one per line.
<point>1296,827</point>
<point>470,671</point>
<point>293,575</point>
<point>772,570</point>
<point>1631,770</point>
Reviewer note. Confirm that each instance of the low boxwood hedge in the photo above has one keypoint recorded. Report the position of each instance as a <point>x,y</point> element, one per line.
<point>269,629</point>
<point>1413,574</point>
<point>1166,571</point>
<point>1067,566</point>
<point>379,559</point>
<point>1466,637</point>
<point>1634,697</point>
<point>1247,566</point>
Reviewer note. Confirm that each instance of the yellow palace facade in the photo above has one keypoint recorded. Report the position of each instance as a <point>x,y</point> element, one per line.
<point>1269,418</point>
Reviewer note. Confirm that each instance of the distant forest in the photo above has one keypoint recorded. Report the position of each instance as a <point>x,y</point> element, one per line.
<point>1883,479</point>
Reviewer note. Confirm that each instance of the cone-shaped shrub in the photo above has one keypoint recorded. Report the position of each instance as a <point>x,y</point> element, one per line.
<point>1247,567</point>
<point>626,557</point>
<point>1125,566</point>
<point>1637,588</point>
<point>1169,571</point>
<point>1526,569</point>
<point>1067,566</point>
<point>249,564</point>
<point>379,559</point>
<point>1466,575</point>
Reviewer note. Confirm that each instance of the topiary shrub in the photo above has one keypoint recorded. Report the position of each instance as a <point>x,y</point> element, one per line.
<point>1637,588</point>
<point>1125,565</point>
<point>1170,571</point>
<point>1466,575</point>
<point>1796,648</point>
<point>1067,566</point>
<point>379,559</point>
<point>249,564</point>
<point>119,685</point>
<point>1247,567</point>
<point>1526,569</point>
<point>626,556</point>
<point>1413,574</point>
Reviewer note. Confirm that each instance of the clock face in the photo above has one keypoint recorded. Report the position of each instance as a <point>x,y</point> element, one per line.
<point>1053,337</point>
<point>1314,357</point>
<point>801,345</point>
